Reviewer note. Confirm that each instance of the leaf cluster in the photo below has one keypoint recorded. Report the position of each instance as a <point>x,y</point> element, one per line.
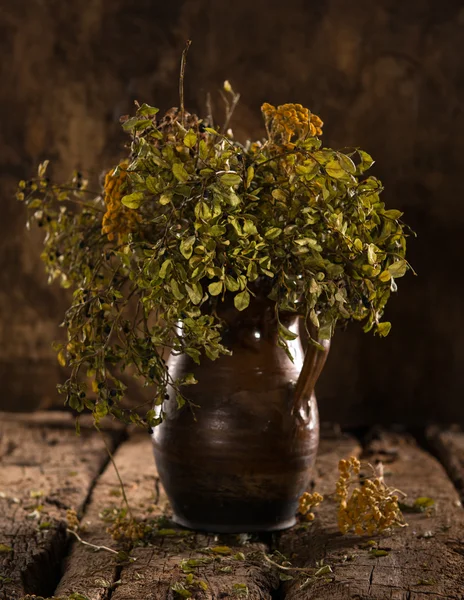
<point>191,218</point>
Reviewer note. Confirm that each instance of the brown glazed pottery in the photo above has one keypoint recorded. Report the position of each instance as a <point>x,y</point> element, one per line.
<point>241,459</point>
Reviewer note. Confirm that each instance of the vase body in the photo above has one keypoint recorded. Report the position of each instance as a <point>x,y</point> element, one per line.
<point>241,459</point>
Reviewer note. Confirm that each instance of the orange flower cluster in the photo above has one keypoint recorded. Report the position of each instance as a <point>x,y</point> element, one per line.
<point>288,120</point>
<point>373,508</point>
<point>127,530</point>
<point>118,218</point>
<point>307,502</point>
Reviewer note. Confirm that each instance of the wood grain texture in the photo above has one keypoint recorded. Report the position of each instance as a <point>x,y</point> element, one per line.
<point>424,560</point>
<point>45,468</point>
<point>40,453</point>
<point>158,567</point>
<point>90,572</point>
<point>449,446</point>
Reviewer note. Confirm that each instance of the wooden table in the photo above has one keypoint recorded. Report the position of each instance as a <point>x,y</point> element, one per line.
<point>46,469</point>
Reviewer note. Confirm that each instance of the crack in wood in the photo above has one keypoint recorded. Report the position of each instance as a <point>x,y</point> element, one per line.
<point>117,577</point>
<point>38,538</point>
<point>371,578</point>
<point>413,556</point>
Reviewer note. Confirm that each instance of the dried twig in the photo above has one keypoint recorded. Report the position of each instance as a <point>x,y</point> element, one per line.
<point>230,106</point>
<point>181,82</point>
<point>94,546</point>
<point>209,110</point>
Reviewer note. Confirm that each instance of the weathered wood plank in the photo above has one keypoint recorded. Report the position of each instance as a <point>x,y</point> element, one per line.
<point>45,468</point>
<point>424,560</point>
<point>449,445</point>
<point>158,567</point>
<point>89,572</point>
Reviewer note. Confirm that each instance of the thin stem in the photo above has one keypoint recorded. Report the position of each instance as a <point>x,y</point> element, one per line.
<point>209,110</point>
<point>181,82</point>
<point>304,570</point>
<point>95,547</point>
<point>230,108</point>
<point>123,489</point>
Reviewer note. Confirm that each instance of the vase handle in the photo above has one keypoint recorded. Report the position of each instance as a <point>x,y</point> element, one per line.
<point>313,364</point>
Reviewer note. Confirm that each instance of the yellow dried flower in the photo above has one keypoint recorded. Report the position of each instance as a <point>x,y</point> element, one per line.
<point>127,530</point>
<point>370,509</point>
<point>118,218</point>
<point>72,519</point>
<point>289,120</point>
<point>307,502</point>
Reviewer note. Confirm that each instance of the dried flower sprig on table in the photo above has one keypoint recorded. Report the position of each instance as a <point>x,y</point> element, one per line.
<point>364,507</point>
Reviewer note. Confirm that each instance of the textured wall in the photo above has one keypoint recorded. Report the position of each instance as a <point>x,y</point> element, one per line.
<point>386,76</point>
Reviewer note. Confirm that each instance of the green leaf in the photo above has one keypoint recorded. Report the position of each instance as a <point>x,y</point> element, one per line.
<point>136,124</point>
<point>383,329</point>
<point>147,111</point>
<point>252,271</point>
<point>371,255</point>
<point>286,333</point>
<point>333,270</point>
<point>202,211</point>
<point>347,163</point>
<point>233,199</point>
<point>133,200</point>
<point>242,300</point>
<point>249,227</point>
<point>186,246</point>
<point>180,589</point>
<point>358,245</point>
<point>314,318</point>
<point>385,276</point>
<point>376,553</point>
<point>326,330</point>
<point>230,179</point>
<point>324,570</point>
<point>165,199</point>
<point>43,168</point>
<point>189,379</point>
<point>152,184</point>
<point>194,354</point>
<point>179,172</point>
<point>224,550</point>
<point>190,139</point>
<point>279,195</point>
<point>215,288</point>
<point>231,284</point>
<point>398,268</point>
<point>235,224</point>
<point>203,150</point>
<point>164,268</point>
<point>4,549</point>
<point>272,233</point>
<point>335,170</point>
<point>308,242</point>
<point>392,213</point>
<point>249,177</point>
<point>423,503</point>
<point>240,589</point>
<point>366,161</point>
<point>195,292</point>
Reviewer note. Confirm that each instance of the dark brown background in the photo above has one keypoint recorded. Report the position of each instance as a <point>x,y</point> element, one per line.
<point>384,75</point>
